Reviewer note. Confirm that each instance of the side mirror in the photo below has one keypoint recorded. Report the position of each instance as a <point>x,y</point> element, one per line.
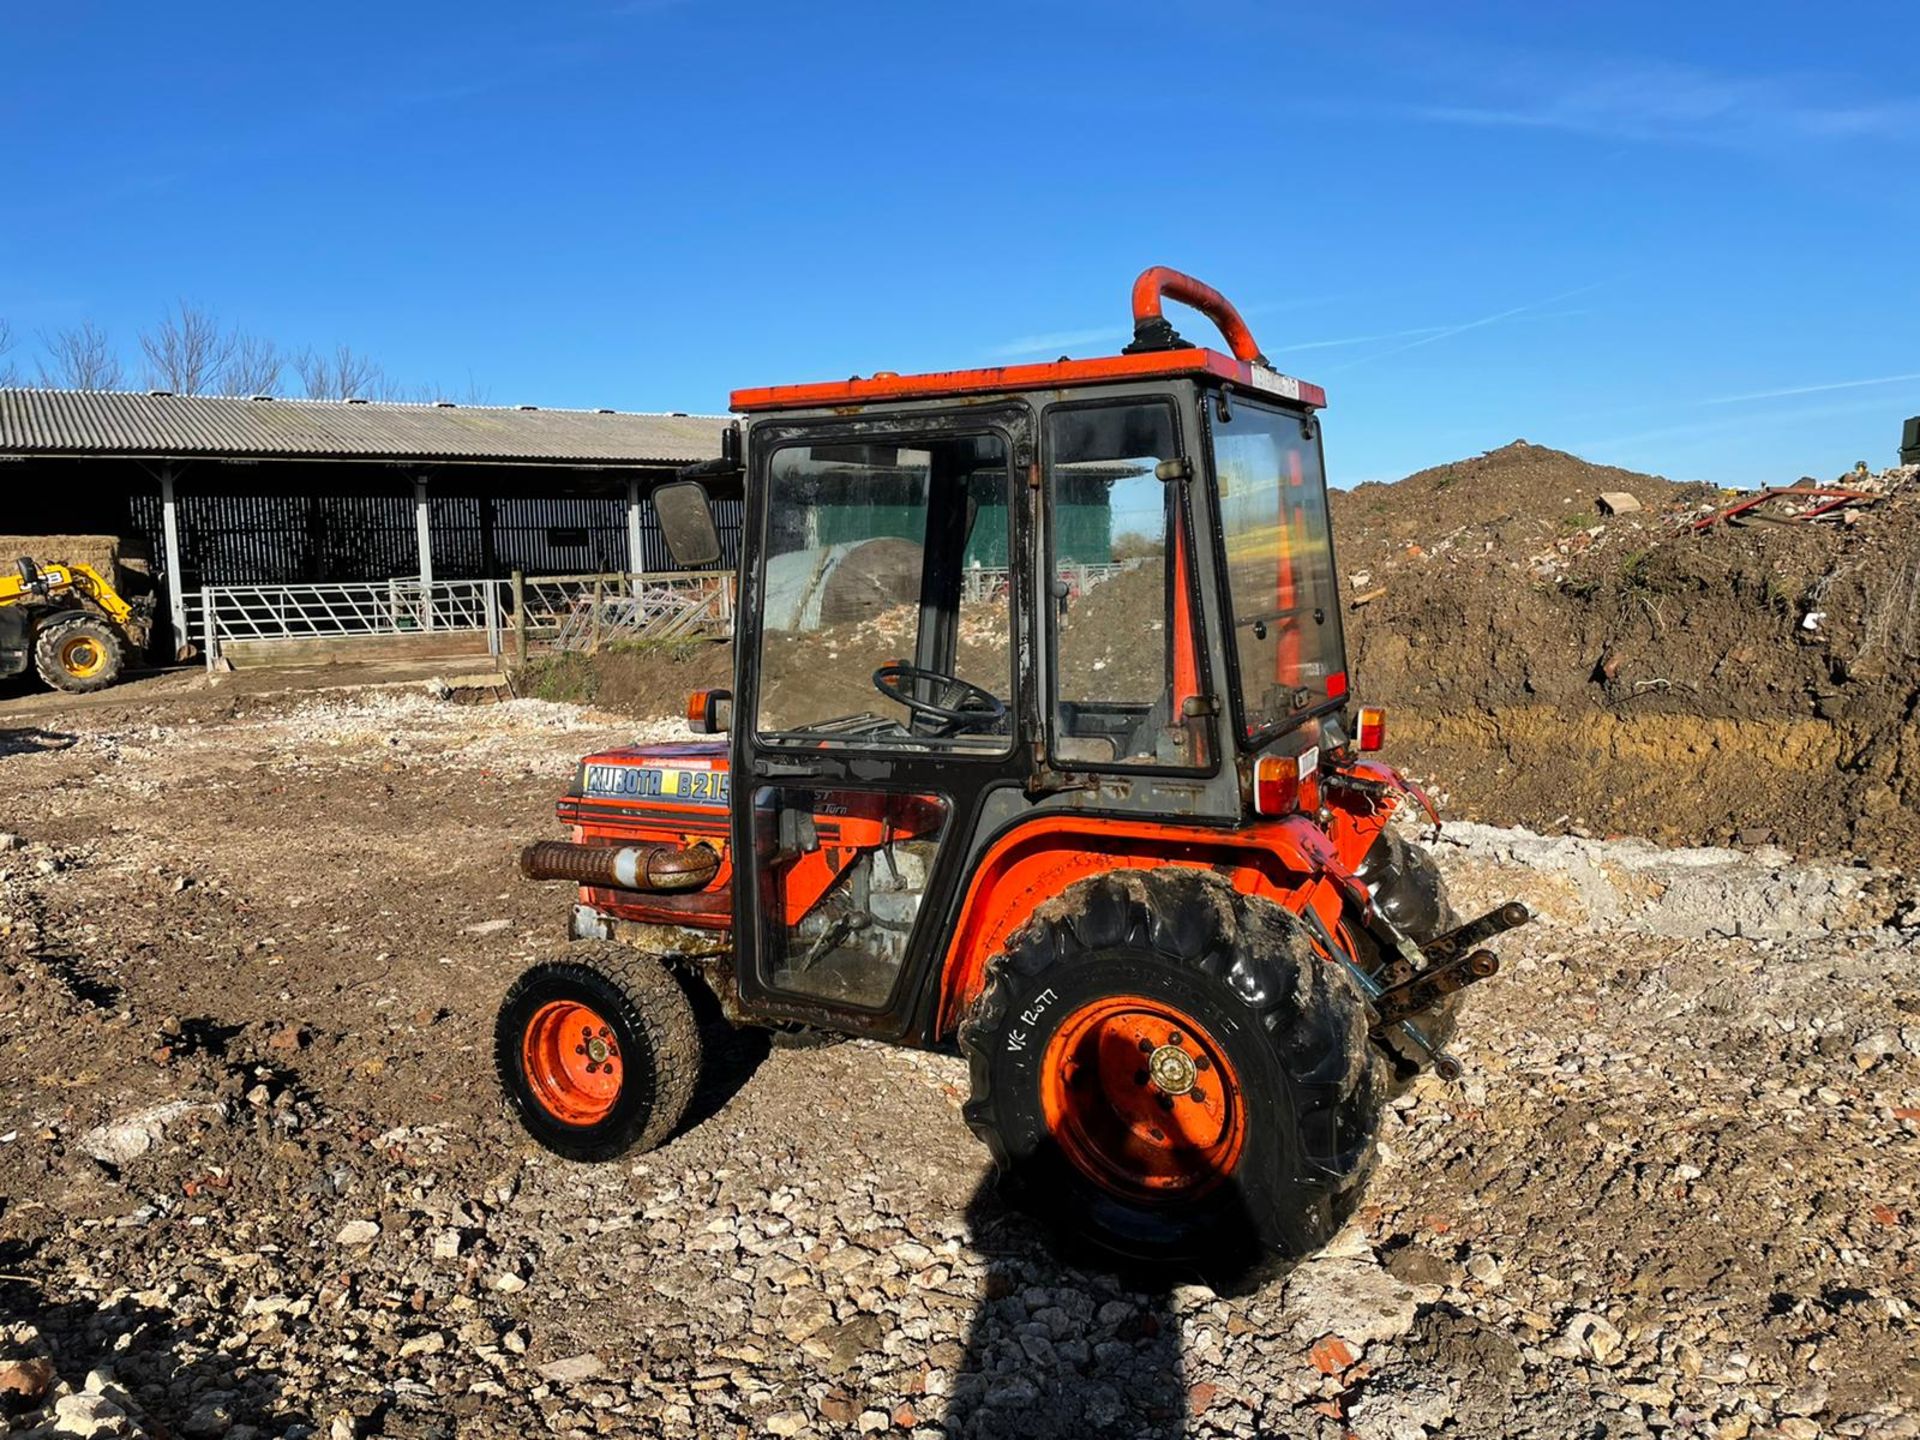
<point>686,523</point>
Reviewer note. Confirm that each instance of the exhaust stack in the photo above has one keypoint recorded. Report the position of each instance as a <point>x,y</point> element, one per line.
<point>645,868</point>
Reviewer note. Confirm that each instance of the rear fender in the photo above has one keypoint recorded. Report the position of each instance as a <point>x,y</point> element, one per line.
<point>1362,798</point>
<point>1291,862</point>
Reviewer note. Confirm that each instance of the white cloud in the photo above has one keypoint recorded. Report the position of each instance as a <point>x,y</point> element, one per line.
<point>1662,102</point>
<point>1810,389</point>
<point>1054,342</point>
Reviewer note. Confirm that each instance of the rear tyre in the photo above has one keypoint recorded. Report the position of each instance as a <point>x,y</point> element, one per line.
<point>598,1051</point>
<point>1408,889</point>
<point>79,654</point>
<point>1167,1073</point>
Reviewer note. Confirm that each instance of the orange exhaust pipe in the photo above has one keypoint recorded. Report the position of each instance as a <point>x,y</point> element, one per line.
<point>622,867</point>
<point>1151,330</point>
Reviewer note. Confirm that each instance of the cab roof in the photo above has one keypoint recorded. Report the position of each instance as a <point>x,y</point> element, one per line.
<point>1186,362</point>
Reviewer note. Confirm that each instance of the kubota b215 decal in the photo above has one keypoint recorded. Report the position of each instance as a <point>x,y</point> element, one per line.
<point>647,782</point>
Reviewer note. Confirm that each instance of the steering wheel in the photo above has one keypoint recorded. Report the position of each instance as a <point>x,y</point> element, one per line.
<point>958,705</point>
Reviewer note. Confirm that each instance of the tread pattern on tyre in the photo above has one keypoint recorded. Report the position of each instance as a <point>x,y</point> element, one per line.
<point>1410,890</point>
<point>1310,1011</point>
<point>655,1006</point>
<point>46,654</point>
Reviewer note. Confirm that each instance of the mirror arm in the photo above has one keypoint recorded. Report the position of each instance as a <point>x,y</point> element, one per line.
<point>708,469</point>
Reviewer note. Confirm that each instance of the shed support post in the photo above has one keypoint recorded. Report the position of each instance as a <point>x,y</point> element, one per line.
<point>176,591</point>
<point>423,529</point>
<point>519,621</point>
<point>636,559</point>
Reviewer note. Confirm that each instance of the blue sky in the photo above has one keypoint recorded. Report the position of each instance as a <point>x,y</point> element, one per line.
<point>1674,237</point>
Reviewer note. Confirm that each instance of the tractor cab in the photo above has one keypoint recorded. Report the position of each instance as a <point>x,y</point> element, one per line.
<point>972,598</point>
<point>1039,745</point>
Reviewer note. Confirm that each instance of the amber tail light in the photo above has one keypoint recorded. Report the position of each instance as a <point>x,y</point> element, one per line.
<point>1285,783</point>
<point>1371,729</point>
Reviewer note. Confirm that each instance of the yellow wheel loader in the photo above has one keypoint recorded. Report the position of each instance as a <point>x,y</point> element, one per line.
<point>69,623</point>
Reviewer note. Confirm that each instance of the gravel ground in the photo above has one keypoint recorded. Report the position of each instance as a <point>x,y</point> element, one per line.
<point>257,1180</point>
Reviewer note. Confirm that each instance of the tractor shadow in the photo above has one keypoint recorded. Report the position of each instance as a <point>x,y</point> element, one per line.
<point>729,1055</point>
<point>1056,1350</point>
<point>31,740</point>
<point>159,1368</point>
<point>1063,1344</point>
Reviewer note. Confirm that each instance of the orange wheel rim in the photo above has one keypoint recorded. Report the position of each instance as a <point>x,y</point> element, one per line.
<point>1142,1100</point>
<point>572,1062</point>
<point>82,657</point>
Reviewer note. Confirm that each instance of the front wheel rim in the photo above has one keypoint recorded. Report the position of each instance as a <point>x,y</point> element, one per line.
<point>1142,1100</point>
<point>572,1062</point>
<point>83,657</point>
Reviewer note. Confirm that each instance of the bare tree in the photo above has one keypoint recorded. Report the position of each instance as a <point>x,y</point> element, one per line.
<point>253,368</point>
<point>80,358</point>
<point>186,351</point>
<point>343,375</point>
<point>189,353</point>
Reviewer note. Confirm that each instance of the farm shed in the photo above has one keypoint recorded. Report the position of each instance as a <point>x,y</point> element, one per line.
<point>222,491</point>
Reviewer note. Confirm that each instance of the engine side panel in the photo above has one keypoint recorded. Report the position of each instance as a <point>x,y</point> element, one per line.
<point>675,793</point>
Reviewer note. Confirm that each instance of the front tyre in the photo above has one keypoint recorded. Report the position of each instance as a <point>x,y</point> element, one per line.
<point>1166,1071</point>
<point>79,654</point>
<point>598,1050</point>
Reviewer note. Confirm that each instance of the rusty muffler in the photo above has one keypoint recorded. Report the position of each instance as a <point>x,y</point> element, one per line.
<point>650,867</point>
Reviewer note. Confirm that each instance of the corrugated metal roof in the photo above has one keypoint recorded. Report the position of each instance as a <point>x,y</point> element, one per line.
<point>112,422</point>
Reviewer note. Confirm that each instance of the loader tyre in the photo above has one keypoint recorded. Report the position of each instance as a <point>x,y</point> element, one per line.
<point>79,654</point>
<point>598,1050</point>
<point>1169,1074</point>
<point>1408,889</point>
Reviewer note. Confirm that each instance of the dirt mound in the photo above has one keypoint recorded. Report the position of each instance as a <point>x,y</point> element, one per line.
<point>1519,499</point>
<point>1624,672</point>
<point>645,680</point>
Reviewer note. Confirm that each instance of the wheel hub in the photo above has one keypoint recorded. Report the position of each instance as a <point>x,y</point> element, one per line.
<point>572,1062</point>
<point>1172,1069</point>
<point>1142,1100</point>
<point>82,657</point>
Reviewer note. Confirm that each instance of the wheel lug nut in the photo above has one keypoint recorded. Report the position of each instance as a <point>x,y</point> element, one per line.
<point>1174,1038</point>
<point>1166,1102</point>
<point>1140,1078</point>
<point>1200,1062</point>
<point>1198,1096</point>
<point>1146,1047</point>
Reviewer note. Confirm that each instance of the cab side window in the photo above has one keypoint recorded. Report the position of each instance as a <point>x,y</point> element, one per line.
<point>1125,653</point>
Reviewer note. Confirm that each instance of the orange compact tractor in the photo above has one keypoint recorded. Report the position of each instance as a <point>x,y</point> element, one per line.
<point>1041,745</point>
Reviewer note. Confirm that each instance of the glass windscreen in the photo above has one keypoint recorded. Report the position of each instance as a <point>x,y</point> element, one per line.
<point>886,611</point>
<point>1280,580</point>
